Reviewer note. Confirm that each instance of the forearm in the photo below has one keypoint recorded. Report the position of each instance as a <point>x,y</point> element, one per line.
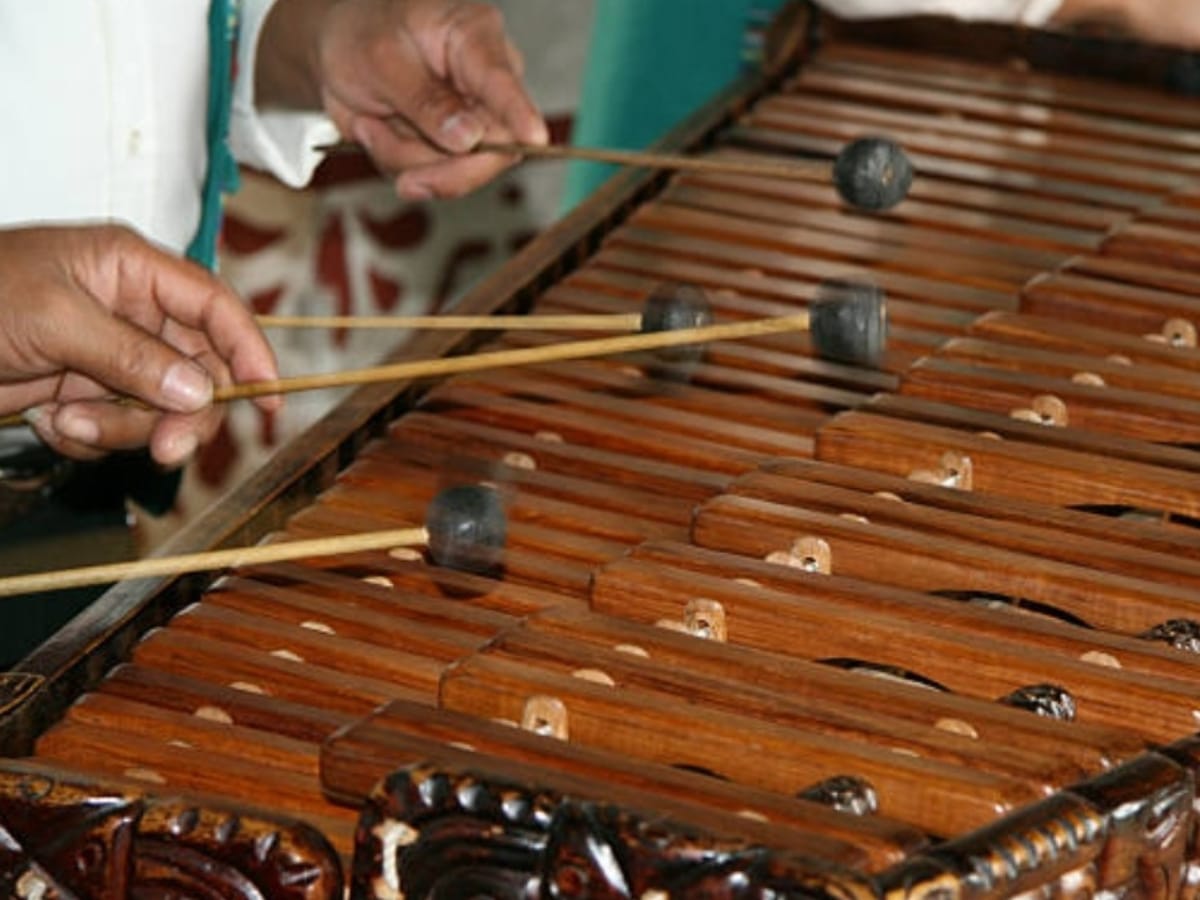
<point>286,69</point>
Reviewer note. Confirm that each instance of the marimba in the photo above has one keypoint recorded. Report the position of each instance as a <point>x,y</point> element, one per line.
<point>780,627</point>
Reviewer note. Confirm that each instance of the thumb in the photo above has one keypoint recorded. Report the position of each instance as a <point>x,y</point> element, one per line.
<point>129,360</point>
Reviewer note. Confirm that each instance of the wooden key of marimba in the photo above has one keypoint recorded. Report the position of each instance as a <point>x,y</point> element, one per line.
<point>1056,402</point>
<point>939,647</point>
<point>974,460</point>
<point>657,726</point>
<point>356,758</point>
<point>1091,748</point>
<point>1121,547</point>
<point>861,542</point>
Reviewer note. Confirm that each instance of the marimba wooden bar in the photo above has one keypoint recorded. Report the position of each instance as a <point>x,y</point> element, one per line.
<point>766,624</point>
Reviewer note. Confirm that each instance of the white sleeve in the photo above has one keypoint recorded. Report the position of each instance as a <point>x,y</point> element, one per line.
<point>1025,12</point>
<point>276,141</point>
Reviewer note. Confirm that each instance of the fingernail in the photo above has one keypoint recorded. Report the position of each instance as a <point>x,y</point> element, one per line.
<point>78,427</point>
<point>462,131</point>
<point>179,449</point>
<point>34,414</point>
<point>187,387</point>
<point>540,135</point>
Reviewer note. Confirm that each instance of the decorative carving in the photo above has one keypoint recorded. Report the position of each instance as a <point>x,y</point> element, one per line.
<point>1147,804</point>
<point>1063,834</point>
<point>63,837</point>
<point>429,833</point>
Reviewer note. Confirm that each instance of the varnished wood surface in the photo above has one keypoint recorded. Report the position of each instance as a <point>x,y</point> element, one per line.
<point>656,582</point>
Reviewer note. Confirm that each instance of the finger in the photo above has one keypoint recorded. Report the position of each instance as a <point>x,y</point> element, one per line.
<point>104,425</point>
<point>480,61</point>
<point>40,419</point>
<point>126,359</point>
<point>408,87</point>
<point>451,177</point>
<point>194,297</point>
<point>394,145</point>
<point>176,438</point>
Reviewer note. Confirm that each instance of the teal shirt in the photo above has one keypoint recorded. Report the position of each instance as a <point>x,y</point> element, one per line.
<point>222,174</point>
<point>650,64</point>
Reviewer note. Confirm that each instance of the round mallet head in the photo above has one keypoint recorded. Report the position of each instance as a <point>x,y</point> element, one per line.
<point>848,322</point>
<point>467,529</point>
<point>673,307</point>
<point>872,173</point>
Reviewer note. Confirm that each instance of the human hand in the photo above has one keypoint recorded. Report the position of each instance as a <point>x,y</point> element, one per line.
<point>418,83</point>
<point>1174,22</point>
<point>88,313</point>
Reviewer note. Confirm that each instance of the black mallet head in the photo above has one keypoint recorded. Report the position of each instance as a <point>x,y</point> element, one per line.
<point>872,173</point>
<point>673,307</point>
<point>848,322</point>
<point>467,529</point>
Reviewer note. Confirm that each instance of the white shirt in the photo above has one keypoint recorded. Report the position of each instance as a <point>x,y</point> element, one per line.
<point>1026,12</point>
<point>105,103</point>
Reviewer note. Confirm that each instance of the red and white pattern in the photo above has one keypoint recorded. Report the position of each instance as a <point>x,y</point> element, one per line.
<point>348,246</point>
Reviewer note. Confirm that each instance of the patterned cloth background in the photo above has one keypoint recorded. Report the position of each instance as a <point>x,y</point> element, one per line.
<point>348,246</point>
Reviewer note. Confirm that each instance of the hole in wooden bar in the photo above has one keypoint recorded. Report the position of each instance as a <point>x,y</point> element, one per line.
<point>289,655</point>
<point>549,437</point>
<point>1090,379</point>
<point>406,554</point>
<point>378,581</point>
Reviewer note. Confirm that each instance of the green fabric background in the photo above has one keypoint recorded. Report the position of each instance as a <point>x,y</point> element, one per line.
<point>650,64</point>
